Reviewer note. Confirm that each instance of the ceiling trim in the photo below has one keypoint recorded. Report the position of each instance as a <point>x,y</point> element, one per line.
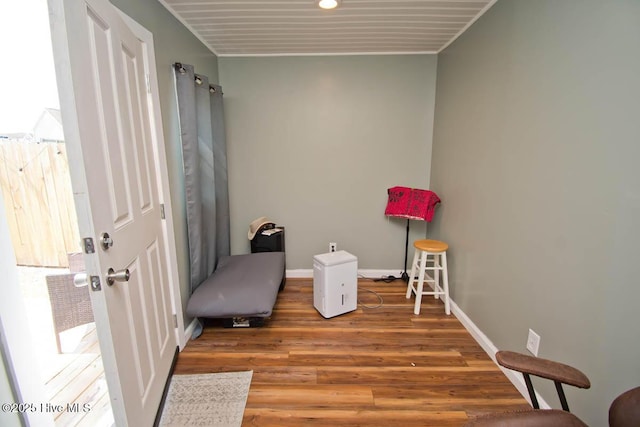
<point>469,24</point>
<point>231,55</point>
<point>191,30</point>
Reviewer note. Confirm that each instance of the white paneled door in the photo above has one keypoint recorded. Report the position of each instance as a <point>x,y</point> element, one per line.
<point>104,89</point>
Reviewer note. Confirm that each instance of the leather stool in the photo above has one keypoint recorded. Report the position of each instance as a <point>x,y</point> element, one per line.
<point>430,255</point>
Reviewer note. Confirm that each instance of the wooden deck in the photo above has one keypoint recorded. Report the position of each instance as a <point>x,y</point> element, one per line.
<point>75,377</point>
<point>371,367</point>
<point>76,381</point>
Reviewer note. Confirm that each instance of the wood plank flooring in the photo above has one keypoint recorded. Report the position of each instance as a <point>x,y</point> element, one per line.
<point>371,367</point>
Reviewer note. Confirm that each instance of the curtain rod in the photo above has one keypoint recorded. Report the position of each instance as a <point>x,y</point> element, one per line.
<point>179,67</point>
<point>197,78</point>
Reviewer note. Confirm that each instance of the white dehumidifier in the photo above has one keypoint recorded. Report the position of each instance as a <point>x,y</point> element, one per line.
<point>335,283</point>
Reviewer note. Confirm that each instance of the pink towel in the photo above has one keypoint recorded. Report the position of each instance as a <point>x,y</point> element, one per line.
<point>411,203</point>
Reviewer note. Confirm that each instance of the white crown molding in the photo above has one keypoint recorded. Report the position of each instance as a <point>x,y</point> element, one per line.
<point>469,24</point>
<point>268,55</point>
<point>189,27</point>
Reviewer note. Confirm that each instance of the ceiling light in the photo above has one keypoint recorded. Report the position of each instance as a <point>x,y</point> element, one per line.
<point>328,4</point>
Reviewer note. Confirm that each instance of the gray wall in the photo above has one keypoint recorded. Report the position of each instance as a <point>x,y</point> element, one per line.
<point>314,143</point>
<point>536,151</point>
<point>173,43</point>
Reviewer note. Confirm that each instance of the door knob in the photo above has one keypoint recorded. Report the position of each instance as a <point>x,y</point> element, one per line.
<point>117,276</point>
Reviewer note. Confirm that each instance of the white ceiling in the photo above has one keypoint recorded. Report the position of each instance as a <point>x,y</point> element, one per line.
<point>300,27</point>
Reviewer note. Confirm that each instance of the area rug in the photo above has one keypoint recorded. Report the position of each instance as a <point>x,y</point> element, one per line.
<point>206,399</point>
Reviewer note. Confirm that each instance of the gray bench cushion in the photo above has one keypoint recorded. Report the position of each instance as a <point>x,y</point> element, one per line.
<point>241,286</point>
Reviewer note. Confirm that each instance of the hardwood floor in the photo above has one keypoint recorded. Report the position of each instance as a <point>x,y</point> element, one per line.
<point>383,366</point>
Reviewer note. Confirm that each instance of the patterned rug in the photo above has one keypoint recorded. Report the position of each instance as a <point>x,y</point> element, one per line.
<point>206,399</point>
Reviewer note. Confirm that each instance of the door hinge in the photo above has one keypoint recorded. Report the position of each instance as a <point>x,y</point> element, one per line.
<point>87,245</point>
<point>162,215</point>
<point>175,320</point>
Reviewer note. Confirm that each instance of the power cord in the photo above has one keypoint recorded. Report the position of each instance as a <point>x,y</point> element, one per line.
<point>381,301</point>
<point>387,279</point>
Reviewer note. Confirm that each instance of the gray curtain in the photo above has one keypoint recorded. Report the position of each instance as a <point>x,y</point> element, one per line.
<point>204,158</point>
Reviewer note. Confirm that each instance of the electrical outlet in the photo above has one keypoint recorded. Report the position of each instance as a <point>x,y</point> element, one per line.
<point>333,246</point>
<point>533,342</point>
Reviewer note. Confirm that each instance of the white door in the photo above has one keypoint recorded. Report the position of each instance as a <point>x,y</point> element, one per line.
<point>103,85</point>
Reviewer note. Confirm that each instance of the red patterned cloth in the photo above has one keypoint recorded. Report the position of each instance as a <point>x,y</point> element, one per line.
<point>411,203</point>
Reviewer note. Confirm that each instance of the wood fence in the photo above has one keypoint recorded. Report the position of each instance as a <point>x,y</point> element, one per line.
<point>36,188</point>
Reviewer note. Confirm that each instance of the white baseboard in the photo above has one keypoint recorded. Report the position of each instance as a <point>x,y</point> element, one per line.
<point>306,273</point>
<point>188,331</point>
<point>303,273</point>
<point>516,378</point>
<point>378,274</point>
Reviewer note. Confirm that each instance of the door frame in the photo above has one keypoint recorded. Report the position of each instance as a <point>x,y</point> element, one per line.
<point>18,358</point>
<point>79,171</point>
<point>17,348</point>
<point>64,84</point>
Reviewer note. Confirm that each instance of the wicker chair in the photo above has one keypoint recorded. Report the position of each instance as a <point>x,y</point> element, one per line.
<point>70,305</point>
<point>76,262</point>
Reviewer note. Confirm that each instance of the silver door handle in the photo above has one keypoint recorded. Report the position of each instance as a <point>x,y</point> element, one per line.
<point>117,276</point>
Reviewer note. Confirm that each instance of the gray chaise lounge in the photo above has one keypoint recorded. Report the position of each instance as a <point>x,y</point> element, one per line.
<point>243,286</point>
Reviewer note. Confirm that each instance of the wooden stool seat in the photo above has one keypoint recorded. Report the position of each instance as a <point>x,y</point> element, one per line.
<point>430,245</point>
<point>430,255</point>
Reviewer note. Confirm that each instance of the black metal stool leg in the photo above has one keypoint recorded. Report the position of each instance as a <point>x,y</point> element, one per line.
<point>404,276</point>
<point>563,398</point>
<point>532,392</point>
